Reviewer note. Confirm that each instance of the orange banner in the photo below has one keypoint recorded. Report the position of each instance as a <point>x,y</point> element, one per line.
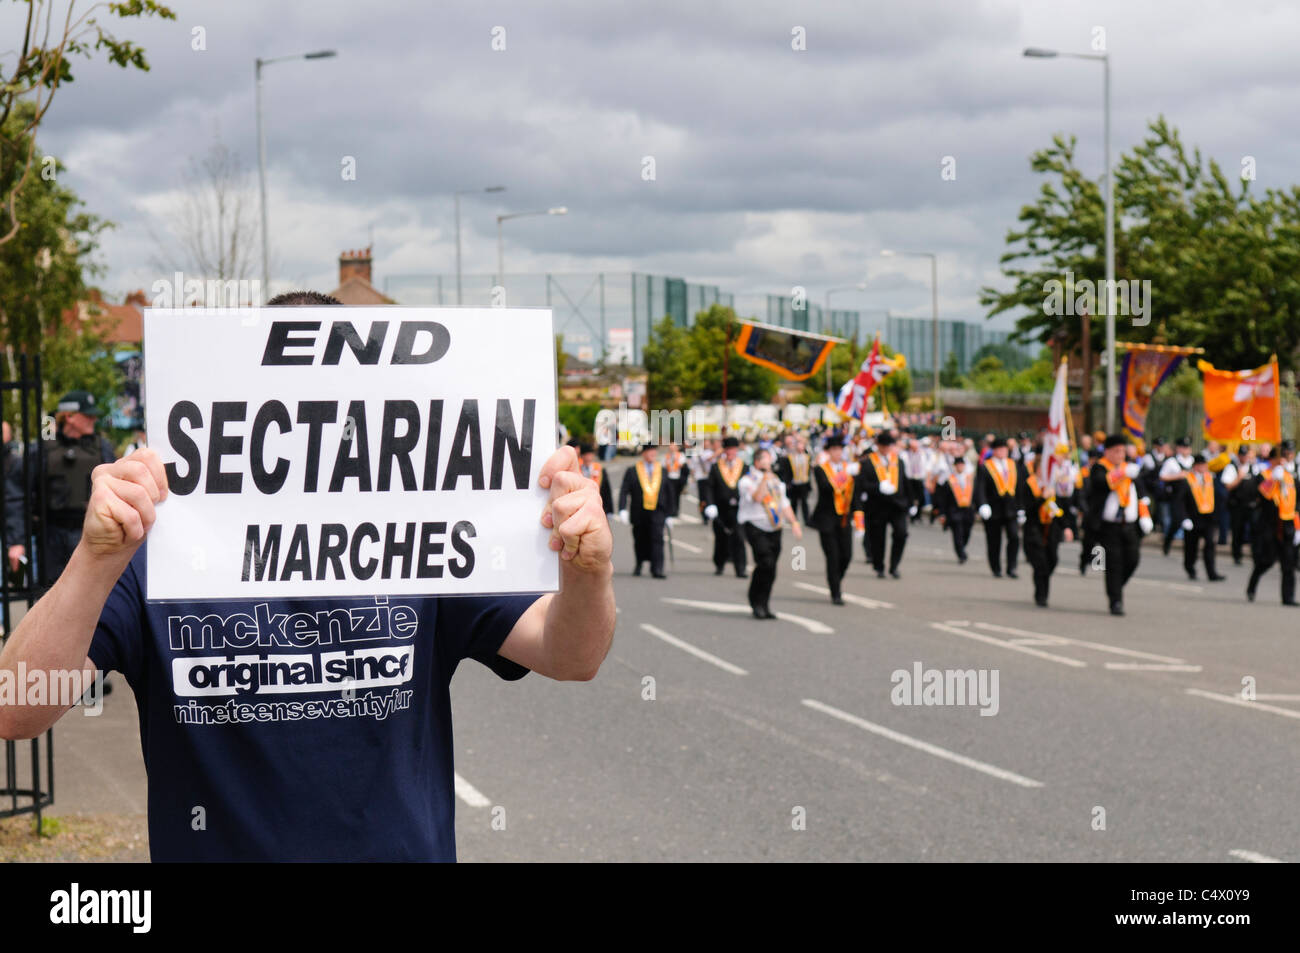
<point>1243,406</point>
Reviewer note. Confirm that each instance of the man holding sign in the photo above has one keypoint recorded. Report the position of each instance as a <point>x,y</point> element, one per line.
<point>280,721</point>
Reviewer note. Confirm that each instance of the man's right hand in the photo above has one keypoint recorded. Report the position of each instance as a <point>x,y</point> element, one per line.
<point>122,497</point>
<point>16,554</point>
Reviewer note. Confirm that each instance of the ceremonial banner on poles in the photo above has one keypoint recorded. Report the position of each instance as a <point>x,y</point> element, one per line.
<point>330,452</point>
<point>853,395</point>
<point>1143,369</point>
<point>795,355</point>
<point>1058,429</point>
<point>1243,405</point>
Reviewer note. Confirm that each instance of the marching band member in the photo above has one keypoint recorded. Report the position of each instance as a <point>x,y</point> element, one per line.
<point>1050,521</point>
<point>646,501</point>
<point>833,513</point>
<point>954,498</point>
<point>1240,480</point>
<point>1277,527</point>
<point>879,493</point>
<point>722,496</point>
<point>763,506</point>
<point>592,468</point>
<point>1118,516</point>
<point>1173,475</point>
<point>795,470</point>
<point>998,489</point>
<point>1200,517</point>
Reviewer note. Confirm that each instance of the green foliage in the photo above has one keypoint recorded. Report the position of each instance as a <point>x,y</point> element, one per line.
<point>666,357</point>
<point>950,373</point>
<point>560,357</point>
<point>580,420</point>
<point>1012,357</point>
<point>1224,264</point>
<point>685,366</point>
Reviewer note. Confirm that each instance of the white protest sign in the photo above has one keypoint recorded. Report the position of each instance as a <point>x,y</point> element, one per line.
<point>328,451</point>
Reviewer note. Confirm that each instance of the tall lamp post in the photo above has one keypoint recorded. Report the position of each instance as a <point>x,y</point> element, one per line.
<point>1107,298</point>
<point>829,326</point>
<point>934,308</point>
<point>459,193</point>
<point>261,150</point>
<point>501,266</point>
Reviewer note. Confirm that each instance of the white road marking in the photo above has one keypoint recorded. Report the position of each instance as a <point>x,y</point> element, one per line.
<point>698,653</point>
<point>812,625</point>
<point>1047,639</point>
<point>1278,698</point>
<point>1181,586</point>
<point>686,546</point>
<point>468,793</point>
<point>1234,700</point>
<point>848,597</point>
<point>688,518</point>
<point>967,633</point>
<point>1254,857</point>
<point>1150,667</point>
<point>991,770</point>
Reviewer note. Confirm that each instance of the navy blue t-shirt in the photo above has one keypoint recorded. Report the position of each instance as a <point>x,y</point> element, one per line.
<point>299,729</point>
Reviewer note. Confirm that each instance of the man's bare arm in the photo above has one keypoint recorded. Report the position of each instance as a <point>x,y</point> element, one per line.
<point>56,634</point>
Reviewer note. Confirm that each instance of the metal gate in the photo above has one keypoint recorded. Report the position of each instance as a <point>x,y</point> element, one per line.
<point>26,788</point>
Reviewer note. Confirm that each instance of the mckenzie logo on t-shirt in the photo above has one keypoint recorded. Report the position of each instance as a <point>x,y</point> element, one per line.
<point>234,662</point>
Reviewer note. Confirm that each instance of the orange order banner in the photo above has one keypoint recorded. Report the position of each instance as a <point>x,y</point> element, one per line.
<point>794,356</point>
<point>1243,406</point>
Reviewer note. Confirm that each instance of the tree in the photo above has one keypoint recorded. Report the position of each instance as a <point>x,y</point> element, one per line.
<point>40,64</point>
<point>1012,357</point>
<point>950,373</point>
<point>1223,265</point>
<point>666,357</point>
<point>212,233</point>
<point>707,341</point>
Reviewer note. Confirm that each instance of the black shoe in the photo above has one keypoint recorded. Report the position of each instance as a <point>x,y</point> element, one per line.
<point>1250,594</point>
<point>997,574</point>
<point>1040,602</point>
<point>837,600</point>
<point>637,570</point>
<point>660,575</point>
<point>1117,608</point>
<point>1011,574</point>
<point>1236,560</point>
<point>742,575</point>
<point>894,573</point>
<point>880,574</point>
<point>758,612</point>
<point>1217,577</point>
<point>768,613</point>
<point>718,571</point>
<point>961,560</point>
<point>1192,576</point>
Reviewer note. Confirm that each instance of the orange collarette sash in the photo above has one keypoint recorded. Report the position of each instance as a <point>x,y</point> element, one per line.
<point>1202,487</point>
<point>1005,487</point>
<point>1283,496</point>
<point>842,484</point>
<point>731,472</point>
<point>962,491</point>
<point>799,467</point>
<point>650,490</point>
<point>593,471</point>
<point>890,473</point>
<point>1118,481</point>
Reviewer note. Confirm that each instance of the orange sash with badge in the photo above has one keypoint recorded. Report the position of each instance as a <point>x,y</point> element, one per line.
<point>962,490</point>
<point>1202,487</point>
<point>731,471</point>
<point>1283,496</point>
<point>1006,487</point>
<point>799,467</point>
<point>889,473</point>
<point>1119,481</point>
<point>593,471</point>
<point>650,487</point>
<point>842,485</point>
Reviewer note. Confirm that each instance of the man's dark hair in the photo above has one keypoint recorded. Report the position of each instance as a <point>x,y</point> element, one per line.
<point>294,299</point>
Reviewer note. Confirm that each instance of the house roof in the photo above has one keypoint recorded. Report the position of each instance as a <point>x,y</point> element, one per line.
<point>356,290</point>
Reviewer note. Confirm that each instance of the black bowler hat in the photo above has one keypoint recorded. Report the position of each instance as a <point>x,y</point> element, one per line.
<point>1288,446</point>
<point>729,442</point>
<point>885,439</point>
<point>998,442</point>
<point>1119,440</point>
<point>79,402</point>
<point>1184,442</point>
<point>834,440</point>
<point>1205,456</point>
<point>584,449</point>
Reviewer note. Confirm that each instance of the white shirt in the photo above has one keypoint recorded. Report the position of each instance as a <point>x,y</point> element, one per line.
<point>753,511</point>
<point>1110,509</point>
<point>1176,465</point>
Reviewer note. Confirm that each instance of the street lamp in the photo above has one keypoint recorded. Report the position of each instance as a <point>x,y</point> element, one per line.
<point>490,188</point>
<point>261,150</point>
<point>1107,297</point>
<point>501,268</point>
<point>830,325</point>
<point>934,307</point>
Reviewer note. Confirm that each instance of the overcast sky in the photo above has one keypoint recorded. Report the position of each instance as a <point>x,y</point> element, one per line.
<point>774,168</point>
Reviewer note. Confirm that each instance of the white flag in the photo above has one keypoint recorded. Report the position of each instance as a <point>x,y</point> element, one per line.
<point>1058,434</point>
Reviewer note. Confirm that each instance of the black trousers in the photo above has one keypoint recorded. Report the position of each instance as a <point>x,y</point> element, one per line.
<point>1201,535</point>
<point>915,496</point>
<point>699,492</point>
<point>728,541</point>
<point>798,494</point>
<point>60,541</point>
<point>877,522</point>
<point>1121,543</point>
<point>959,525</point>
<point>767,550</point>
<point>1270,546</point>
<point>648,540</point>
<point>837,547</point>
<point>1042,545</point>
<point>1239,515</point>
<point>994,529</point>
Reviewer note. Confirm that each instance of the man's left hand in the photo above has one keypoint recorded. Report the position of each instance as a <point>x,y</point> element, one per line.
<point>574,514</point>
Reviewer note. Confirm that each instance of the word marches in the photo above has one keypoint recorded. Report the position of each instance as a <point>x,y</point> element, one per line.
<point>409,443</point>
<point>332,543</point>
<point>181,292</point>
<point>60,687</point>
<point>75,906</point>
<point>947,687</point>
<point>232,712</point>
<point>1081,297</point>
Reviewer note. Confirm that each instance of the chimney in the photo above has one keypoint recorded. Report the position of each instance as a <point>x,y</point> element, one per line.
<point>355,262</point>
<point>137,299</point>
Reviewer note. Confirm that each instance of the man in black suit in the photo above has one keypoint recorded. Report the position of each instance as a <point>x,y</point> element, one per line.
<point>999,491</point>
<point>722,502</point>
<point>881,494</point>
<point>833,515</point>
<point>1119,516</point>
<point>646,501</point>
<point>794,467</point>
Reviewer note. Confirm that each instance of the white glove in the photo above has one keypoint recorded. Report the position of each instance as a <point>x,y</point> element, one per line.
<point>1132,470</point>
<point>853,469</point>
<point>710,512</point>
<point>623,516</point>
<point>1020,517</point>
<point>1295,540</point>
<point>986,512</point>
<point>859,533</point>
<point>888,488</point>
<point>1187,525</point>
<point>669,522</point>
<point>1147,524</point>
<point>911,510</point>
<point>1277,473</point>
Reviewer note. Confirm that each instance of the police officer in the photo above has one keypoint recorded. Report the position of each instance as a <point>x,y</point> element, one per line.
<point>70,457</point>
